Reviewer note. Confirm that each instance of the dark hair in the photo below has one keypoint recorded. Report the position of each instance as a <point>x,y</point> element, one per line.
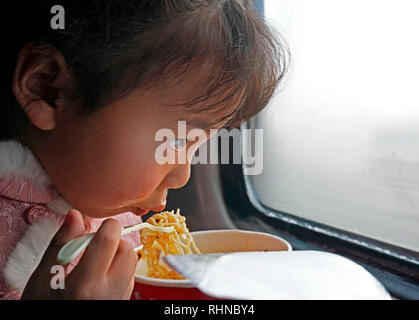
<point>115,46</point>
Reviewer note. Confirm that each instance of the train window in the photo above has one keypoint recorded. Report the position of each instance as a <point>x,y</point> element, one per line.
<point>341,137</point>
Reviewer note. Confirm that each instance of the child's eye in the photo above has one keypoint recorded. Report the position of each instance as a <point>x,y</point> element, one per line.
<point>178,144</point>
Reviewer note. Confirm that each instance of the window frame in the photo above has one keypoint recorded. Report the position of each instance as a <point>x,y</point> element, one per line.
<point>397,268</point>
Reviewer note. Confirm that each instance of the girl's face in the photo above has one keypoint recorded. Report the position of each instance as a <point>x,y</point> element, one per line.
<point>104,164</point>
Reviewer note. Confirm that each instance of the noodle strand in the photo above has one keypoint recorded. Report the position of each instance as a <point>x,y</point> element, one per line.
<point>156,244</point>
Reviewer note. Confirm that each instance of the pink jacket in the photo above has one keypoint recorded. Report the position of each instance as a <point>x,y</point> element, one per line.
<point>31,212</point>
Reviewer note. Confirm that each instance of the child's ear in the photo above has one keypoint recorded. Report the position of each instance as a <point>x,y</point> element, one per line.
<point>39,78</point>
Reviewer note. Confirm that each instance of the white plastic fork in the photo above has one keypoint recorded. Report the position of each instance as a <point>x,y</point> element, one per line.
<point>74,247</point>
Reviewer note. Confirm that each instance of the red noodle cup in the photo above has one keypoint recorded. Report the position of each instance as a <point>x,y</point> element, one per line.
<point>213,241</point>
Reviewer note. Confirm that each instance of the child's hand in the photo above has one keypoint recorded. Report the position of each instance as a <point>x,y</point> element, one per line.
<point>105,271</point>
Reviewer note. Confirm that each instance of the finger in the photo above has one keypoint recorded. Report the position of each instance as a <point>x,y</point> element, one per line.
<point>122,269</point>
<point>99,254</point>
<point>128,292</point>
<point>72,227</point>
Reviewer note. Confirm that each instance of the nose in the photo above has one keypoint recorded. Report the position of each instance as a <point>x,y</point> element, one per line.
<point>178,176</point>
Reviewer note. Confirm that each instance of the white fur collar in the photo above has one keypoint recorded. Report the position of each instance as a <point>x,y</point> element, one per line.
<point>28,253</point>
<point>18,160</point>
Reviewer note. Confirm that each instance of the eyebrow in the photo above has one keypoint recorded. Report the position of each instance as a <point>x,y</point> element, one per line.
<point>205,125</point>
<point>199,123</point>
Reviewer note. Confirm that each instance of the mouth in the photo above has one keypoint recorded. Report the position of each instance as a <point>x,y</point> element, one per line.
<point>140,211</point>
<point>151,207</point>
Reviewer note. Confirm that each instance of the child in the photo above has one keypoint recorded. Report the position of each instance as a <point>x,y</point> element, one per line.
<point>78,125</point>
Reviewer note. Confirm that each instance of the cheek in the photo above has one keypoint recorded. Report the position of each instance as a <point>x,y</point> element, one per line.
<point>106,170</point>
<point>136,180</point>
<point>115,180</point>
<point>127,173</point>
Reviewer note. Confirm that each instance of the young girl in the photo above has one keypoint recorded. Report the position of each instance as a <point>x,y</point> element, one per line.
<point>79,113</point>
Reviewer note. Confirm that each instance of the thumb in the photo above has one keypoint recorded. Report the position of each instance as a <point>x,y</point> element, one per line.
<point>72,227</point>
